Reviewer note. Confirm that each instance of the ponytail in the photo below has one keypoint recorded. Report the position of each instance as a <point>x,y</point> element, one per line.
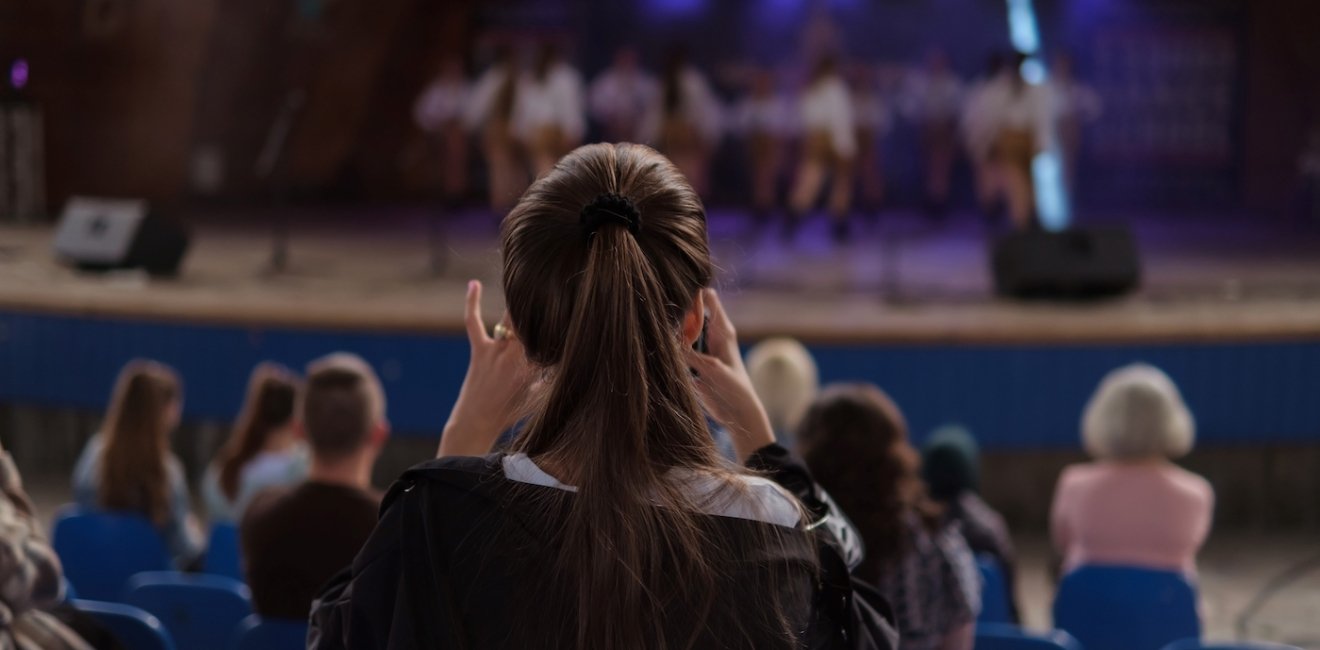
<point>603,258</point>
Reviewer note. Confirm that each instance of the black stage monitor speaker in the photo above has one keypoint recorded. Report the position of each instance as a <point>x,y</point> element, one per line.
<point>1074,264</point>
<point>98,234</point>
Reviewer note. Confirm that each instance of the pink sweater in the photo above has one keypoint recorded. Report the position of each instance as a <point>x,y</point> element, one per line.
<point>1144,514</point>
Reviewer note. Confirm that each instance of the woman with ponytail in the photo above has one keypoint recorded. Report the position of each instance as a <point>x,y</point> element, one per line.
<point>612,521</point>
<point>263,450</point>
<point>128,466</point>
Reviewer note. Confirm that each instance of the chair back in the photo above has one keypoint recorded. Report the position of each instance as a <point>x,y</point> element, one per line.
<point>101,550</point>
<point>200,611</point>
<point>1195,644</point>
<point>256,633</point>
<point>994,592</point>
<point>132,627</point>
<point>1002,636</point>
<point>222,552</point>
<point>1126,608</point>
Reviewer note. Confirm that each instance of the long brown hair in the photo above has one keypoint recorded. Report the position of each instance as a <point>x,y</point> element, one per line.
<point>271,397</point>
<point>600,312</point>
<point>855,441</point>
<point>133,474</point>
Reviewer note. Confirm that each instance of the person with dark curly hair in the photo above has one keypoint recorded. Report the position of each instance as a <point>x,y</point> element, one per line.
<point>855,441</point>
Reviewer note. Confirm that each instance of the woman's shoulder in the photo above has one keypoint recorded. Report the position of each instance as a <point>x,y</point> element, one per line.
<point>1188,482</point>
<point>762,500</point>
<point>1083,473</point>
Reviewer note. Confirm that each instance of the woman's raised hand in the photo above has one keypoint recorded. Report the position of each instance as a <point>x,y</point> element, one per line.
<point>724,385</point>
<point>495,389</point>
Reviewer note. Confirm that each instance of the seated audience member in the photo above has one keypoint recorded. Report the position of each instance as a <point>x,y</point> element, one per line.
<point>784,376</point>
<point>1132,505</point>
<point>263,450</point>
<point>951,466</point>
<point>296,538</point>
<point>32,577</point>
<point>128,465</point>
<point>855,441</point>
<point>612,522</point>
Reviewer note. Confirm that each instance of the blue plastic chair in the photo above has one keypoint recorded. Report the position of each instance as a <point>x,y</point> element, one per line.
<point>222,552</point>
<point>100,551</point>
<point>1195,644</point>
<point>1003,636</point>
<point>1126,608</point>
<point>132,627</point>
<point>200,611</point>
<point>256,633</point>
<point>994,592</point>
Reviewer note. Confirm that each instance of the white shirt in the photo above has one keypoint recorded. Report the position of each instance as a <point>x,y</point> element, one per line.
<point>827,106</point>
<point>1025,107</point>
<point>760,499</point>
<point>771,115</point>
<point>927,98</point>
<point>443,100</point>
<point>553,101</point>
<point>618,95</point>
<point>481,97</point>
<point>698,106</point>
<point>976,123</point>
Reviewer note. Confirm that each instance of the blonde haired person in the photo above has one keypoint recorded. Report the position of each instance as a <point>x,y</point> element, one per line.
<point>784,376</point>
<point>128,465</point>
<point>32,573</point>
<point>1132,505</point>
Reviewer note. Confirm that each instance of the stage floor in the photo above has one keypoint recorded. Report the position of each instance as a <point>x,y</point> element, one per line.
<point>900,279</point>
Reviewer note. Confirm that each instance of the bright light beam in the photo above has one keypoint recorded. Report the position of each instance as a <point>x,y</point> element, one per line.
<point>1052,203</point>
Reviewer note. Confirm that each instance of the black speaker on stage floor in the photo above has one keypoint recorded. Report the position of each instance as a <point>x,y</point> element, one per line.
<point>98,234</point>
<point>1074,264</point>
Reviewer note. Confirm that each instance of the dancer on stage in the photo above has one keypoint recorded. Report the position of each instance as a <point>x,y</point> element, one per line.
<point>439,114</point>
<point>874,119</point>
<point>933,100</point>
<point>1019,124</point>
<point>829,147</point>
<point>764,119</point>
<point>548,117</point>
<point>490,112</point>
<point>1076,104</point>
<point>685,122</point>
<point>978,137</point>
<point>621,95</point>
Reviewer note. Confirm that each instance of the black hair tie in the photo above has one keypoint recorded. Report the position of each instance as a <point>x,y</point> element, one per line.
<point>610,208</point>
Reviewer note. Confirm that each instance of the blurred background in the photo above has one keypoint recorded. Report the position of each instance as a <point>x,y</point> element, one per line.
<point>212,183</point>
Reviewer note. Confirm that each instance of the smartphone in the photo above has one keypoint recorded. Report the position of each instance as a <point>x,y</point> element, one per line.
<point>700,344</point>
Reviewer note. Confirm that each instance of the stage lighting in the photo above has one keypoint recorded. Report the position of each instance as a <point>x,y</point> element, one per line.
<point>18,74</point>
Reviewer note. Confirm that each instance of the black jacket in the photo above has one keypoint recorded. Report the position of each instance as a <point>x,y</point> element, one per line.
<point>451,550</point>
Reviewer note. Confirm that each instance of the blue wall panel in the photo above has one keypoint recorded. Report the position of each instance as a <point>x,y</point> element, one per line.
<point>1012,396</point>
